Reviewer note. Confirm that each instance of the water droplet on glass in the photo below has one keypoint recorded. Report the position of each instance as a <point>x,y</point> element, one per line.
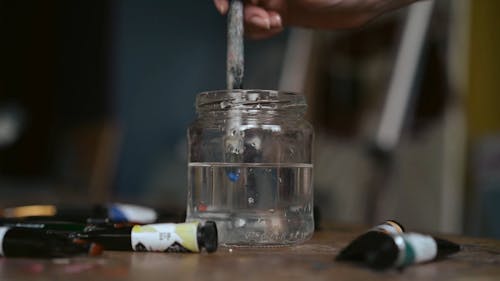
<point>251,201</point>
<point>240,222</point>
<point>224,104</point>
<point>253,96</point>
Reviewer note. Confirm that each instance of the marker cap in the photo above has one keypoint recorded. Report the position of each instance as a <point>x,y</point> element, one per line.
<point>208,236</point>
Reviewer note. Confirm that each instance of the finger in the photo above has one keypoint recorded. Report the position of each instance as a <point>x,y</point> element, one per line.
<point>274,5</point>
<point>258,34</point>
<point>257,17</point>
<point>275,20</point>
<point>222,6</point>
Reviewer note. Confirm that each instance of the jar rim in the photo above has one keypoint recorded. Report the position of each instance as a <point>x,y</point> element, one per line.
<point>249,99</point>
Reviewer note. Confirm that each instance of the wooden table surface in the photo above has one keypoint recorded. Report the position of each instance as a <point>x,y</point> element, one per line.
<point>479,260</point>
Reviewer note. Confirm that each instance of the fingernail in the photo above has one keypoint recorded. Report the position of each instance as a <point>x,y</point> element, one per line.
<point>261,22</point>
<point>276,21</point>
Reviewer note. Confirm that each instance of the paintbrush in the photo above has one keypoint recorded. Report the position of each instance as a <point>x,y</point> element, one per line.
<point>235,50</point>
<point>234,78</point>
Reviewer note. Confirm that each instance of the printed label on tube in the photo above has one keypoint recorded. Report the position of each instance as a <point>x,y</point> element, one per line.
<point>165,237</point>
<point>418,248</point>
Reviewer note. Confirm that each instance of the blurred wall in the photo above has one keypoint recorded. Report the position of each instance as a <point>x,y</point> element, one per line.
<point>166,52</point>
<point>483,103</point>
<point>105,90</point>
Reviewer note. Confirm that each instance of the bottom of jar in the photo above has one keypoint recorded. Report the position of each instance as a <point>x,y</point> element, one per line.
<point>260,228</point>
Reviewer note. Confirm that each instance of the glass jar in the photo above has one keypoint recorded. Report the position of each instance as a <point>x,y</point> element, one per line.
<point>250,167</point>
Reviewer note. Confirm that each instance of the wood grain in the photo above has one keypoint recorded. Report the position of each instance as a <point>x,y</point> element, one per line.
<point>480,260</point>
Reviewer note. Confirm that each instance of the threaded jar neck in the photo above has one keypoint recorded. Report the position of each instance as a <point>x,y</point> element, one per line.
<point>251,102</point>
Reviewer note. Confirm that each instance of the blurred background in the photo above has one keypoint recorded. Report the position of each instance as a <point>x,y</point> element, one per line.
<point>96,96</point>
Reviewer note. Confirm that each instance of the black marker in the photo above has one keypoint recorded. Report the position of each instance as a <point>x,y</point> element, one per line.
<point>161,237</point>
<point>61,227</point>
<point>112,212</point>
<point>38,243</point>
<point>55,226</point>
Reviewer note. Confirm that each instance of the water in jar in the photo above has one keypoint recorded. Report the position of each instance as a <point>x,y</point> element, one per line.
<point>253,204</point>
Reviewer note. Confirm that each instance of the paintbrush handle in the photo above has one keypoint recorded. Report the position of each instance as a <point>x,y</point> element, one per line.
<point>235,50</point>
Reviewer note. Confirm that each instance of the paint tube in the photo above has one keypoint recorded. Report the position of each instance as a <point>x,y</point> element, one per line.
<point>39,243</point>
<point>357,248</point>
<point>160,237</point>
<point>386,246</point>
<point>400,250</point>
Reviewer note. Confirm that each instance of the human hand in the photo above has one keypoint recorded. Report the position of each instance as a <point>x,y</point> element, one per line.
<point>265,18</point>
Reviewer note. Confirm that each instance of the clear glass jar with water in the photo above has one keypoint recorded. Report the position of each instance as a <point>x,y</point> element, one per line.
<point>250,167</point>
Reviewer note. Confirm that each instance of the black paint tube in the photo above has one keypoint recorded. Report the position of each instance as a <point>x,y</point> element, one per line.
<point>363,243</point>
<point>160,237</point>
<point>385,251</point>
<point>40,243</point>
